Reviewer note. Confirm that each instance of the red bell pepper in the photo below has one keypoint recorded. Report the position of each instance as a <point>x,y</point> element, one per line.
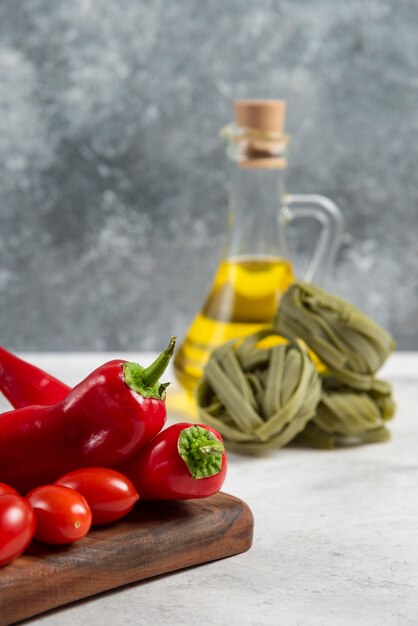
<point>182,462</point>
<point>103,421</point>
<point>24,384</point>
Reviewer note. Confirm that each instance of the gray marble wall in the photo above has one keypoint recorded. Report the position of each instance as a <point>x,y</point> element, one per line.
<point>112,178</point>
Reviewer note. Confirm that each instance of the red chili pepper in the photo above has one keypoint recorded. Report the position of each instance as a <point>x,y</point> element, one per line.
<point>103,421</point>
<point>183,461</point>
<point>24,384</point>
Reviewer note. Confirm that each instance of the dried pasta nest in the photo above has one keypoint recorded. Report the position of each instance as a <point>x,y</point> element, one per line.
<point>348,417</point>
<point>259,394</point>
<point>350,344</point>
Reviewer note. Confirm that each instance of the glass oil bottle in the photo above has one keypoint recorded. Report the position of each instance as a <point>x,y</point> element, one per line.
<point>255,269</point>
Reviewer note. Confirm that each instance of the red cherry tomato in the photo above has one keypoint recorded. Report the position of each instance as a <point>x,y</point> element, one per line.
<point>17,527</point>
<point>7,489</point>
<point>62,514</point>
<point>109,494</point>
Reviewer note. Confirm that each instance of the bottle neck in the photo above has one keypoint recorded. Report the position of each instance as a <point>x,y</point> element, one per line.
<point>255,199</point>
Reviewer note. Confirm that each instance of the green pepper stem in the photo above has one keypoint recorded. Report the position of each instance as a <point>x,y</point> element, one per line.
<point>153,373</point>
<point>144,380</point>
<point>201,451</point>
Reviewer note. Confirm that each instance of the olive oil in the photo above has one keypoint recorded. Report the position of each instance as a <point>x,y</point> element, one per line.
<point>243,299</point>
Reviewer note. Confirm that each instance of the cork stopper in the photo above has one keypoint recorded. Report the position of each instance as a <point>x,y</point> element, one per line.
<point>261,115</point>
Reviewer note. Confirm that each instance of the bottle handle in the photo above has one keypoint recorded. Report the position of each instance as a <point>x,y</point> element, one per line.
<point>328,214</point>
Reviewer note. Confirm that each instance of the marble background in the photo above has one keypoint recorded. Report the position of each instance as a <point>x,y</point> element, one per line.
<point>112,178</point>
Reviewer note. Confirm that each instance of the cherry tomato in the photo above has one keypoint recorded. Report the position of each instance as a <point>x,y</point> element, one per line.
<point>62,514</point>
<point>17,527</point>
<point>7,489</point>
<point>109,494</point>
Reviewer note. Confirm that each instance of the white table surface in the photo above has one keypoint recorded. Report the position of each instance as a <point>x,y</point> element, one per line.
<point>335,541</point>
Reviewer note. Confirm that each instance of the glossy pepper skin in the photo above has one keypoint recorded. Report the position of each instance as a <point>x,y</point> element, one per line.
<point>24,384</point>
<point>102,421</point>
<point>183,461</point>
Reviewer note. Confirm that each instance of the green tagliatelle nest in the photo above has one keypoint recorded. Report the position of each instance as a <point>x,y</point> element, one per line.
<point>350,344</point>
<point>259,398</point>
<point>348,416</point>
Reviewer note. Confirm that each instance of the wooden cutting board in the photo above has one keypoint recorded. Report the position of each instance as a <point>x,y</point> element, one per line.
<point>155,538</point>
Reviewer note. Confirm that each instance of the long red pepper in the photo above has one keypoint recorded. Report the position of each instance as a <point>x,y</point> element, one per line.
<point>24,384</point>
<point>183,461</point>
<point>103,421</point>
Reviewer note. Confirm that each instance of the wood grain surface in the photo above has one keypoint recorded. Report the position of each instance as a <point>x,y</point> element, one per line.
<point>155,538</point>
